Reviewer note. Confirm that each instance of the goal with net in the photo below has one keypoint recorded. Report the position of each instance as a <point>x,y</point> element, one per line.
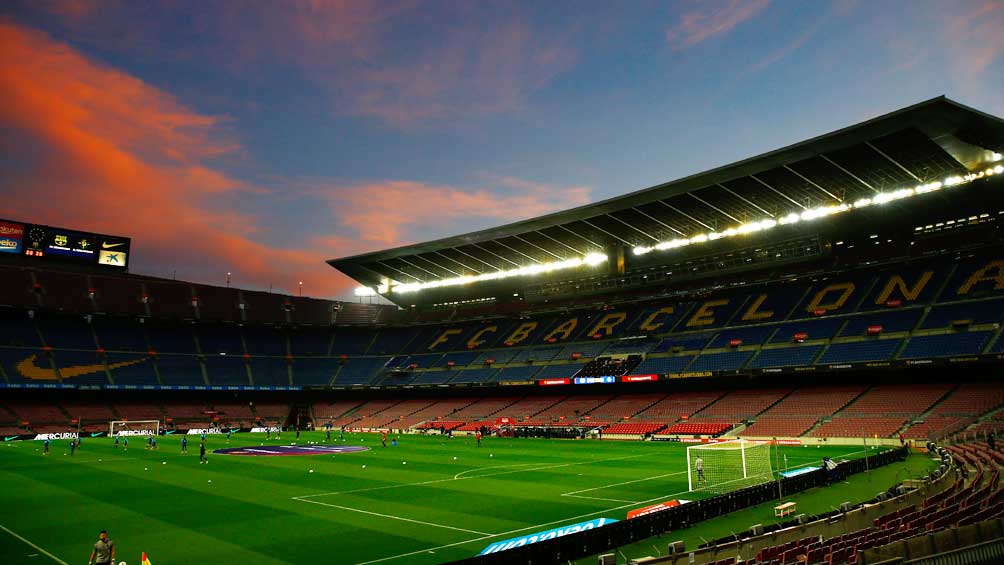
<point>134,428</point>
<point>728,465</point>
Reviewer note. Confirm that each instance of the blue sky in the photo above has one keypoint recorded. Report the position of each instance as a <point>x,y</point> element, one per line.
<point>262,137</point>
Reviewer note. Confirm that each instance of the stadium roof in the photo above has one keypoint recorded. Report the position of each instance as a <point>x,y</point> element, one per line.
<point>925,142</point>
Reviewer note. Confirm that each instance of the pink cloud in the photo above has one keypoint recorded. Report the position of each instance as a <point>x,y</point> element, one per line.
<point>387,214</point>
<point>711,19</point>
<point>108,152</point>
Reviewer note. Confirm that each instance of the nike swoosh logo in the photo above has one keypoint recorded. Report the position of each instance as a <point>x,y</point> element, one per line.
<point>105,245</point>
<point>29,370</point>
<point>6,438</point>
<point>96,434</point>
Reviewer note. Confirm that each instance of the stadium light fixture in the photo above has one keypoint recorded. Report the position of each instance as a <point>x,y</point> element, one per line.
<point>823,211</point>
<point>590,260</point>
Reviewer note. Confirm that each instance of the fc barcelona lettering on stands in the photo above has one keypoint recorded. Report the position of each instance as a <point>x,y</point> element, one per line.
<point>863,292</point>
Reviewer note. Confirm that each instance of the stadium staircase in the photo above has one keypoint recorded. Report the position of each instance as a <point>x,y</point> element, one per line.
<point>929,413</point>
<point>829,418</point>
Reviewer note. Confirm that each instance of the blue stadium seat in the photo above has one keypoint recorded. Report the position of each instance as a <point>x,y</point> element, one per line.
<point>749,336</point>
<point>726,361</point>
<point>586,350</point>
<point>786,357</point>
<point>459,358</point>
<point>518,373</point>
<point>350,343</point>
<point>215,339</point>
<point>120,334</point>
<point>475,375</point>
<point>433,377</point>
<point>390,341</point>
<point>71,332</point>
<point>823,328</point>
<point>171,339</point>
<point>981,312</point>
<point>140,372</point>
<point>17,329</point>
<point>265,341</point>
<point>360,370</point>
<point>854,352</point>
<point>77,359</point>
<point>891,321</point>
<point>309,341</point>
<point>500,356</point>
<point>944,345</point>
<point>269,371</point>
<point>686,343</point>
<point>314,371</point>
<point>630,346</point>
<point>180,370</point>
<point>226,370</point>
<point>663,365</point>
<point>565,371</point>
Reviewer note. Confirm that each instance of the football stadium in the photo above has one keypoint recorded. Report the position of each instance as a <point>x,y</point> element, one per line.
<point>792,358</point>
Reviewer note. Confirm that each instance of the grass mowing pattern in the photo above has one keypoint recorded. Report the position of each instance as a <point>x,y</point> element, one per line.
<point>432,509</point>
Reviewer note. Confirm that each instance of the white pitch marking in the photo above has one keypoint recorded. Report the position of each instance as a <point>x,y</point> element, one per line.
<point>53,557</point>
<point>436,481</point>
<point>564,520</point>
<point>392,517</point>
<point>575,492</point>
<point>460,474</point>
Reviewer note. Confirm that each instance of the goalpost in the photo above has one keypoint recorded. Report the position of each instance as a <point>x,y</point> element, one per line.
<point>728,465</point>
<point>134,428</point>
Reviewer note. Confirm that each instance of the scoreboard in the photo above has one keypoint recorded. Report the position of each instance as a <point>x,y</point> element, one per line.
<point>48,244</point>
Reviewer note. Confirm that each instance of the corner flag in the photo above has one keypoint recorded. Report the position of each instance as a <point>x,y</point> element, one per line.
<point>145,560</point>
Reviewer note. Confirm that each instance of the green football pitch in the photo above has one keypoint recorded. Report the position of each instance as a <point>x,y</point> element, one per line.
<point>427,500</point>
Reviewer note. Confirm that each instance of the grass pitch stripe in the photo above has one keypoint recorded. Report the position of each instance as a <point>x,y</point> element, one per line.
<point>51,556</point>
<point>401,518</point>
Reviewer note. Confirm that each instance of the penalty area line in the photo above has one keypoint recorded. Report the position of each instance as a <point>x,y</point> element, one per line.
<point>392,517</point>
<point>510,532</point>
<point>25,540</point>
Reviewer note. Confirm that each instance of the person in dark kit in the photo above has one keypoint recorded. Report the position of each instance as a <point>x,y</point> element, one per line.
<point>184,444</point>
<point>45,448</point>
<point>73,447</point>
<point>228,436</point>
<point>383,439</point>
<point>297,432</point>
<point>341,433</point>
<point>327,435</point>
<point>268,433</point>
<point>202,453</point>
<point>992,441</point>
<point>442,430</point>
<point>149,442</point>
<point>116,442</point>
<point>125,444</point>
<point>831,467</point>
<point>103,552</point>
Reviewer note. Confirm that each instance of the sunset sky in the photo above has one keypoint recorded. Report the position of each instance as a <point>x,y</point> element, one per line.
<point>263,137</point>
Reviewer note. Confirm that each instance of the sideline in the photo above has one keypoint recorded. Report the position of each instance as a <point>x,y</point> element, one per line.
<point>51,556</point>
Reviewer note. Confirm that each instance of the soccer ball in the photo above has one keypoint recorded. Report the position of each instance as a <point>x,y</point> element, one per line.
<point>311,470</point>
<point>404,462</point>
<point>454,458</point>
<point>364,466</point>
<point>122,563</point>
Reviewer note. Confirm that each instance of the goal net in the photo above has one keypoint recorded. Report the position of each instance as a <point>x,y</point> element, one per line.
<point>134,428</point>
<point>728,465</point>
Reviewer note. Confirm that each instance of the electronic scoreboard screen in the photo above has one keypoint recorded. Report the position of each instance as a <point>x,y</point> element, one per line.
<point>53,244</point>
